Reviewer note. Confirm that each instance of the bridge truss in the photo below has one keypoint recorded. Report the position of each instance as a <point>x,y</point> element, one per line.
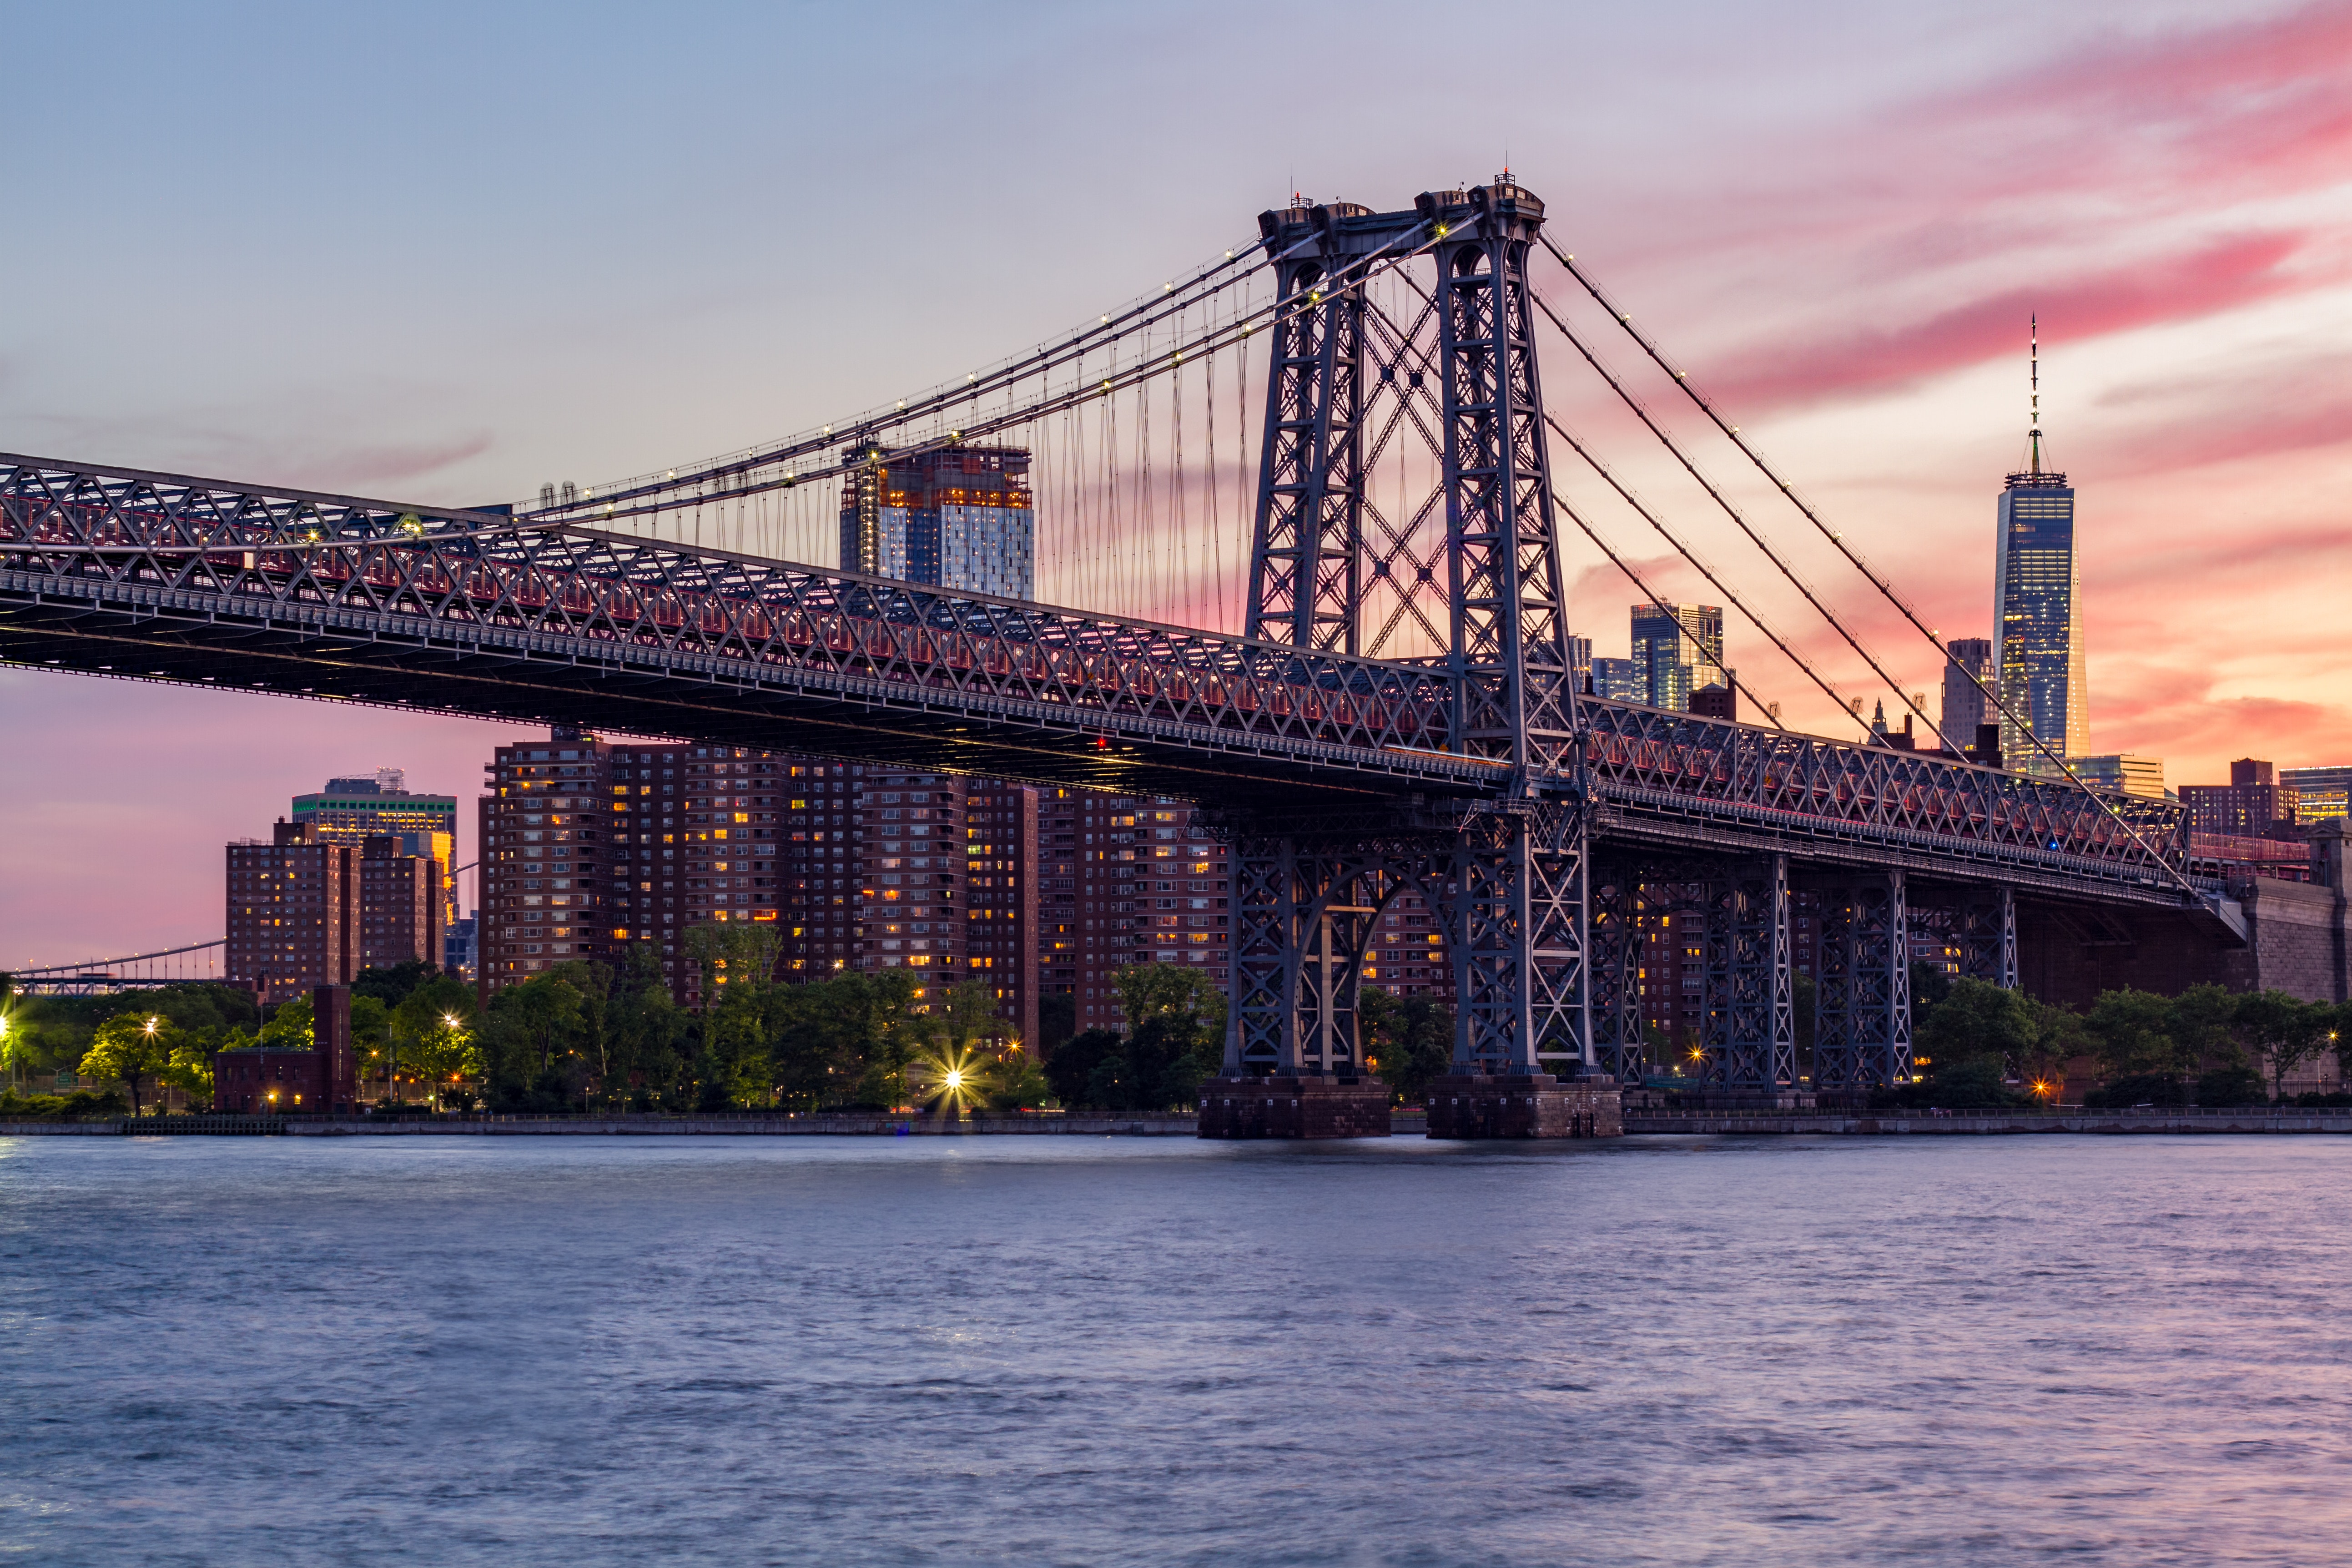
<point>1400,711</point>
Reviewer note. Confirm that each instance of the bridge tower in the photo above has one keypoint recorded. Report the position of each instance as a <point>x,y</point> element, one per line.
<point>1504,871</point>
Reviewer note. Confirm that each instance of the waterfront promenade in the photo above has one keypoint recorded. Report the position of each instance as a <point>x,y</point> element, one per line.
<point>1756,1123</point>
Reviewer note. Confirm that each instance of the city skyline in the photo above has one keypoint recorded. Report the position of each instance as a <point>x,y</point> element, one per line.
<point>2191,332</point>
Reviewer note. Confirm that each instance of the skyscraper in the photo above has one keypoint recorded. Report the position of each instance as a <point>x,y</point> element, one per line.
<point>957,518</point>
<point>2038,611</point>
<point>1964,698</point>
<point>1677,649</point>
<point>1620,681</point>
<point>355,809</point>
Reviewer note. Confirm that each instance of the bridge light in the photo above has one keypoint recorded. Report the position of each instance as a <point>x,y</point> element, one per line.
<point>1106,321</point>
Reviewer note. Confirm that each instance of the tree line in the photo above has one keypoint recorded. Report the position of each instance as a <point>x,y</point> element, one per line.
<point>588,1036</point>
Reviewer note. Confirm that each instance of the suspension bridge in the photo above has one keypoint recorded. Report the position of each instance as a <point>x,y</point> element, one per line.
<point>1388,699</point>
<point>196,961</point>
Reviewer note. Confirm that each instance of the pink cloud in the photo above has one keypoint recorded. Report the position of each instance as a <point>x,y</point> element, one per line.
<point>2232,272</point>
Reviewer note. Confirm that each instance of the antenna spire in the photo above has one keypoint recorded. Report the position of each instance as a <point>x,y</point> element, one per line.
<point>2034,413</point>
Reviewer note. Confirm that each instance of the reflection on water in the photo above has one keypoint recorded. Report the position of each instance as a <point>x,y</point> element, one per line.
<point>1091,1351</point>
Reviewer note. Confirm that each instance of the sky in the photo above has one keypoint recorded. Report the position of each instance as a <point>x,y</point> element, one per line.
<point>445,253</point>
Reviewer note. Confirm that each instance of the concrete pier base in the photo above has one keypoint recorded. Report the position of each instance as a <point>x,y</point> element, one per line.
<point>1534,1105</point>
<point>1302,1107</point>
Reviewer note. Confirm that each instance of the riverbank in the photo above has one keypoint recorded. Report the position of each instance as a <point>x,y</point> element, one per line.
<point>1403,1124</point>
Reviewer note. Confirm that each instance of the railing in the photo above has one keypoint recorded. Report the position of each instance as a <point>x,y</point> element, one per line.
<point>376,569</point>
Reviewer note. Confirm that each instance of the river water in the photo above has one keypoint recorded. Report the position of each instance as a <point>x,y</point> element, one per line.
<point>511,1351</point>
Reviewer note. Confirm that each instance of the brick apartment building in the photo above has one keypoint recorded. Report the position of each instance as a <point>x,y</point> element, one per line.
<point>303,912</point>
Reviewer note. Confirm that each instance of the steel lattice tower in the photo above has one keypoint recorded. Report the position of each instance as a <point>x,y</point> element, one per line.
<point>1508,873</point>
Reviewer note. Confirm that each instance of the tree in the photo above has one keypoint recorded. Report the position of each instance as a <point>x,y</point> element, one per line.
<point>1979,1021</point>
<point>289,1028</point>
<point>392,985</point>
<point>130,1049</point>
<point>2284,1031</point>
<point>1408,1040</point>
<point>190,1069</point>
<point>1072,1070</point>
<point>2131,1033</point>
<point>2203,1025</point>
<point>436,1021</point>
<point>372,1043</point>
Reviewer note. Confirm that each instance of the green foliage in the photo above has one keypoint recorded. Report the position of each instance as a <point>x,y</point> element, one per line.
<point>2231,1086</point>
<point>132,1049</point>
<point>48,1033</point>
<point>1408,1040</point>
<point>2284,1031</point>
<point>2130,1035</point>
<point>1072,1070</point>
<point>391,987</point>
<point>1176,1021</point>
<point>1057,1020</point>
<point>2162,1088</point>
<point>1016,1083</point>
<point>80,1106</point>
<point>1976,1021</point>
<point>289,1027</point>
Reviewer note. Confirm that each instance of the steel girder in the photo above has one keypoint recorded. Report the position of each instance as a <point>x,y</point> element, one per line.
<point>1861,1032</point>
<point>144,558</point>
<point>1305,909</point>
<point>1646,761</point>
<point>1613,905</point>
<point>1306,550</point>
<point>1985,925</point>
<point>1750,1001</point>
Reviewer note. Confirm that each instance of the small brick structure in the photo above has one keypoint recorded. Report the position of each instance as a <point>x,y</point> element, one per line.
<point>258,1081</point>
<point>1532,1105</point>
<point>1303,1106</point>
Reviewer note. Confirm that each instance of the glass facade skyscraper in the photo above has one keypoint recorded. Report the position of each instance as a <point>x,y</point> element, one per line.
<point>958,518</point>
<point>1677,649</point>
<point>2037,591</point>
<point>2037,598</point>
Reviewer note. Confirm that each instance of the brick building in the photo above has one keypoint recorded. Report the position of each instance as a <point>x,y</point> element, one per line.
<point>293,912</point>
<point>2253,804</point>
<point>304,911</point>
<point>547,857</point>
<point>400,905</point>
<point>261,1080</point>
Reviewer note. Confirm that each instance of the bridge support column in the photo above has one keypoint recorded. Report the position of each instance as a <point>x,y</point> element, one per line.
<point>1304,913</point>
<point>1986,924</point>
<point>1613,909</point>
<point>1751,1000</point>
<point>1523,985</point>
<point>1863,1005</point>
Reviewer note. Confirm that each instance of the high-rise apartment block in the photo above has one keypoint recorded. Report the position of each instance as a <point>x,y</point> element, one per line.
<point>293,903</point>
<point>400,905</point>
<point>2320,794</point>
<point>305,912</point>
<point>961,517</point>
<point>1967,674</point>
<point>551,827</point>
<point>1677,649</point>
<point>2253,804</point>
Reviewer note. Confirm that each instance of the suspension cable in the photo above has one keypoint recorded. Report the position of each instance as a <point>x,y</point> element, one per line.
<point>1774,556</point>
<point>1644,590</point>
<point>1884,586</point>
<point>1211,340</point>
<point>1406,345</point>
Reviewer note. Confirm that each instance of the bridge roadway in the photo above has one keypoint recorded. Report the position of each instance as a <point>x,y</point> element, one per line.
<point>157,576</point>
